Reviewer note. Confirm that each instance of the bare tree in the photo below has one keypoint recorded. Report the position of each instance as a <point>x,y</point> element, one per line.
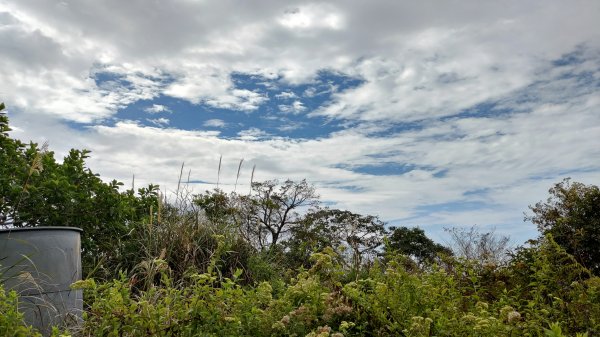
<point>272,209</point>
<point>487,247</point>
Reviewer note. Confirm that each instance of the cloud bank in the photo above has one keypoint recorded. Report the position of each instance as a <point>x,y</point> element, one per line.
<point>431,114</point>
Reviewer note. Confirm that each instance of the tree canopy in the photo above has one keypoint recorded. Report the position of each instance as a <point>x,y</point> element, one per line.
<point>472,244</point>
<point>353,235</point>
<point>572,215</point>
<point>414,243</point>
<point>271,210</point>
<point>38,190</point>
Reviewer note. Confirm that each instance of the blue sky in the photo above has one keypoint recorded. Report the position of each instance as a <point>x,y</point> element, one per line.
<point>282,112</point>
<point>425,113</point>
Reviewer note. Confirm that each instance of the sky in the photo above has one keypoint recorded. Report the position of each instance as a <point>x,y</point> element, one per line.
<point>426,113</point>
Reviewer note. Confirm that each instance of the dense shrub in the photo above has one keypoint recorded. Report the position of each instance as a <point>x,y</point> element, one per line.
<point>542,292</point>
<point>572,215</point>
<point>11,320</point>
<point>552,293</point>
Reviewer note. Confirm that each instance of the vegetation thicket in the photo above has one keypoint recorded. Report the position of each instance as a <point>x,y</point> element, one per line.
<point>572,215</point>
<point>273,262</point>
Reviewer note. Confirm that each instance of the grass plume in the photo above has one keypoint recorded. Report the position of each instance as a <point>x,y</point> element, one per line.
<point>237,177</point>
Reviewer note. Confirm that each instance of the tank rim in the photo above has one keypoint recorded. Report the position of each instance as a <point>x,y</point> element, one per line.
<point>23,229</point>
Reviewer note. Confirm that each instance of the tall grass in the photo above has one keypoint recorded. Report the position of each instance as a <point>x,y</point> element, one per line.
<point>177,240</point>
<point>36,167</point>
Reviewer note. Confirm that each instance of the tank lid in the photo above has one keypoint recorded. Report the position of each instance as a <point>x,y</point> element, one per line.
<point>20,229</point>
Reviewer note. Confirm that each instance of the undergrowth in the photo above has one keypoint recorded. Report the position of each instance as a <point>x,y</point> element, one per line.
<point>543,292</point>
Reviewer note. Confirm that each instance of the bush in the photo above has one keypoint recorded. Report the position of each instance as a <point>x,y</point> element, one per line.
<point>392,301</point>
<point>11,320</point>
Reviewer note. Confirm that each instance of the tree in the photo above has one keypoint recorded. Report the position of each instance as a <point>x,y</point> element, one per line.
<point>414,243</point>
<point>218,207</point>
<point>344,231</point>
<point>485,247</point>
<point>312,235</point>
<point>271,210</point>
<point>572,215</point>
<point>36,190</point>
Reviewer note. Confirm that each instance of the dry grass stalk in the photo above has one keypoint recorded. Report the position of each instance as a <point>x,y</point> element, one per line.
<point>237,177</point>
<point>219,170</point>
<point>36,167</point>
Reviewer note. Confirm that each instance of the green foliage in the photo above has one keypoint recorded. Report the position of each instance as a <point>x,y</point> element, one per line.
<point>37,190</point>
<point>218,207</point>
<point>206,307</point>
<point>572,215</point>
<point>3,121</point>
<point>390,301</point>
<point>354,237</point>
<point>11,320</point>
<point>555,288</point>
<point>189,243</point>
<point>414,243</point>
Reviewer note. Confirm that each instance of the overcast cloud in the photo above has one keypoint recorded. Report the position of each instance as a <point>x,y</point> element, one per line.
<point>426,113</point>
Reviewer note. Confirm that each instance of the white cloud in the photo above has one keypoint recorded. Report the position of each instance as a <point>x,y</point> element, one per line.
<point>215,123</point>
<point>290,126</point>
<point>312,16</point>
<point>418,65</point>
<point>160,122</point>
<point>157,108</point>
<point>295,108</point>
<point>214,87</point>
<point>252,134</point>
<point>404,52</point>
<point>501,156</point>
<point>240,99</point>
<point>310,92</point>
<point>286,95</point>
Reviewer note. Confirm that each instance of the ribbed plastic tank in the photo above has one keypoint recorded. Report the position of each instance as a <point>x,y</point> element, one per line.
<point>40,263</point>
